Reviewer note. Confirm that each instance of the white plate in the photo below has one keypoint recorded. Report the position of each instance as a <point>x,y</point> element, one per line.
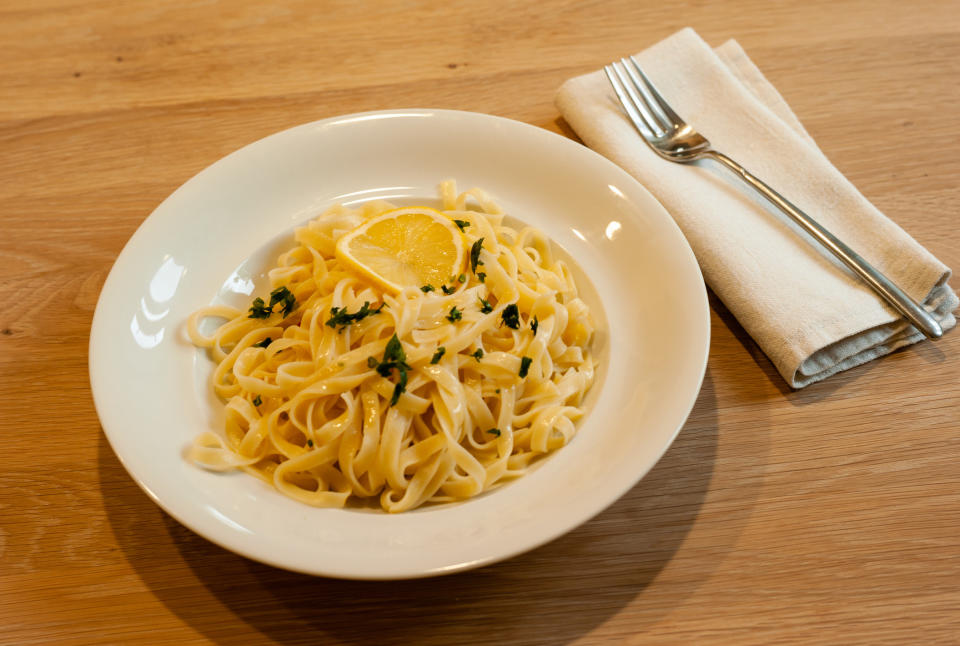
<point>198,244</point>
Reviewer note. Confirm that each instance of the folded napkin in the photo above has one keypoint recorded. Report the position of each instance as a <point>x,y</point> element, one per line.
<point>808,313</point>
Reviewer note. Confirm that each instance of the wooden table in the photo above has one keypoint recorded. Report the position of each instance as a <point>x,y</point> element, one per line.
<point>827,515</point>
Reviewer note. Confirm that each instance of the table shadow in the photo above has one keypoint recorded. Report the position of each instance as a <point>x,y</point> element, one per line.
<point>554,594</point>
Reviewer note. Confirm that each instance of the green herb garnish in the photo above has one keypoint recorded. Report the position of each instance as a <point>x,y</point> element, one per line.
<point>259,309</point>
<point>534,324</point>
<point>427,288</point>
<point>285,296</point>
<point>401,385</point>
<point>438,354</point>
<point>340,317</point>
<point>463,224</point>
<point>511,316</point>
<point>462,278</point>
<point>485,306</point>
<point>393,358</point>
<point>257,401</point>
<point>525,366</point>
<point>263,343</point>
<point>494,431</point>
<point>394,350</point>
<point>475,255</point>
<point>454,315</point>
<point>478,354</point>
<point>448,290</point>
<point>310,443</point>
<point>482,277</point>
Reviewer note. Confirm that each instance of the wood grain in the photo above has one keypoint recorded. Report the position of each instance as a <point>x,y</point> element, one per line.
<point>827,515</point>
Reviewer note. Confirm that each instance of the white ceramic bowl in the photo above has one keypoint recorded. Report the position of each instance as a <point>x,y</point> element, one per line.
<point>211,239</point>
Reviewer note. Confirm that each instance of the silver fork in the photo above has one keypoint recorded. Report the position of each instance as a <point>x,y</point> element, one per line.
<point>675,140</point>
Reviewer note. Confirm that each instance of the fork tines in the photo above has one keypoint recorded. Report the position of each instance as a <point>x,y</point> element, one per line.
<point>650,113</point>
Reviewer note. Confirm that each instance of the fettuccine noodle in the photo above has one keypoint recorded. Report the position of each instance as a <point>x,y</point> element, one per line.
<point>316,410</point>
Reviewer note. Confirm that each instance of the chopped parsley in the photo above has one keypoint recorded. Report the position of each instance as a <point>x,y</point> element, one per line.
<point>482,277</point>
<point>341,318</point>
<point>257,401</point>
<point>427,288</point>
<point>393,358</point>
<point>263,343</point>
<point>534,324</point>
<point>463,224</point>
<point>394,350</point>
<point>511,316</point>
<point>478,354</point>
<point>259,309</point>
<point>285,296</point>
<point>494,431</point>
<point>310,443</point>
<point>454,315</point>
<point>438,354</point>
<point>524,366</point>
<point>281,295</point>
<point>462,278</point>
<point>485,306</point>
<point>448,290</point>
<point>475,255</point>
<point>401,385</point>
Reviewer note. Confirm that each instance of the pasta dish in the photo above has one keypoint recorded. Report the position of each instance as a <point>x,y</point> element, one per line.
<point>403,356</point>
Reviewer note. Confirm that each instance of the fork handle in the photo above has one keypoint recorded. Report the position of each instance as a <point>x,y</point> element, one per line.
<point>882,285</point>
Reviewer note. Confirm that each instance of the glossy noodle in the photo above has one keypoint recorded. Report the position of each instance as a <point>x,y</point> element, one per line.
<point>337,391</point>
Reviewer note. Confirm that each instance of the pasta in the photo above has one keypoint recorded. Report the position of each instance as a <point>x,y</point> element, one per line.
<point>340,392</point>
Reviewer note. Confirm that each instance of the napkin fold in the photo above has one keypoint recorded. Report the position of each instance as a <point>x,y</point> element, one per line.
<point>808,313</point>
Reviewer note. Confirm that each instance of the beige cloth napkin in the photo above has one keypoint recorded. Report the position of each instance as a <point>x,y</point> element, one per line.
<point>809,313</point>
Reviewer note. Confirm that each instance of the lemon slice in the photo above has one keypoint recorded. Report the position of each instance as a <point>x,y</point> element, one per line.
<point>408,247</point>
